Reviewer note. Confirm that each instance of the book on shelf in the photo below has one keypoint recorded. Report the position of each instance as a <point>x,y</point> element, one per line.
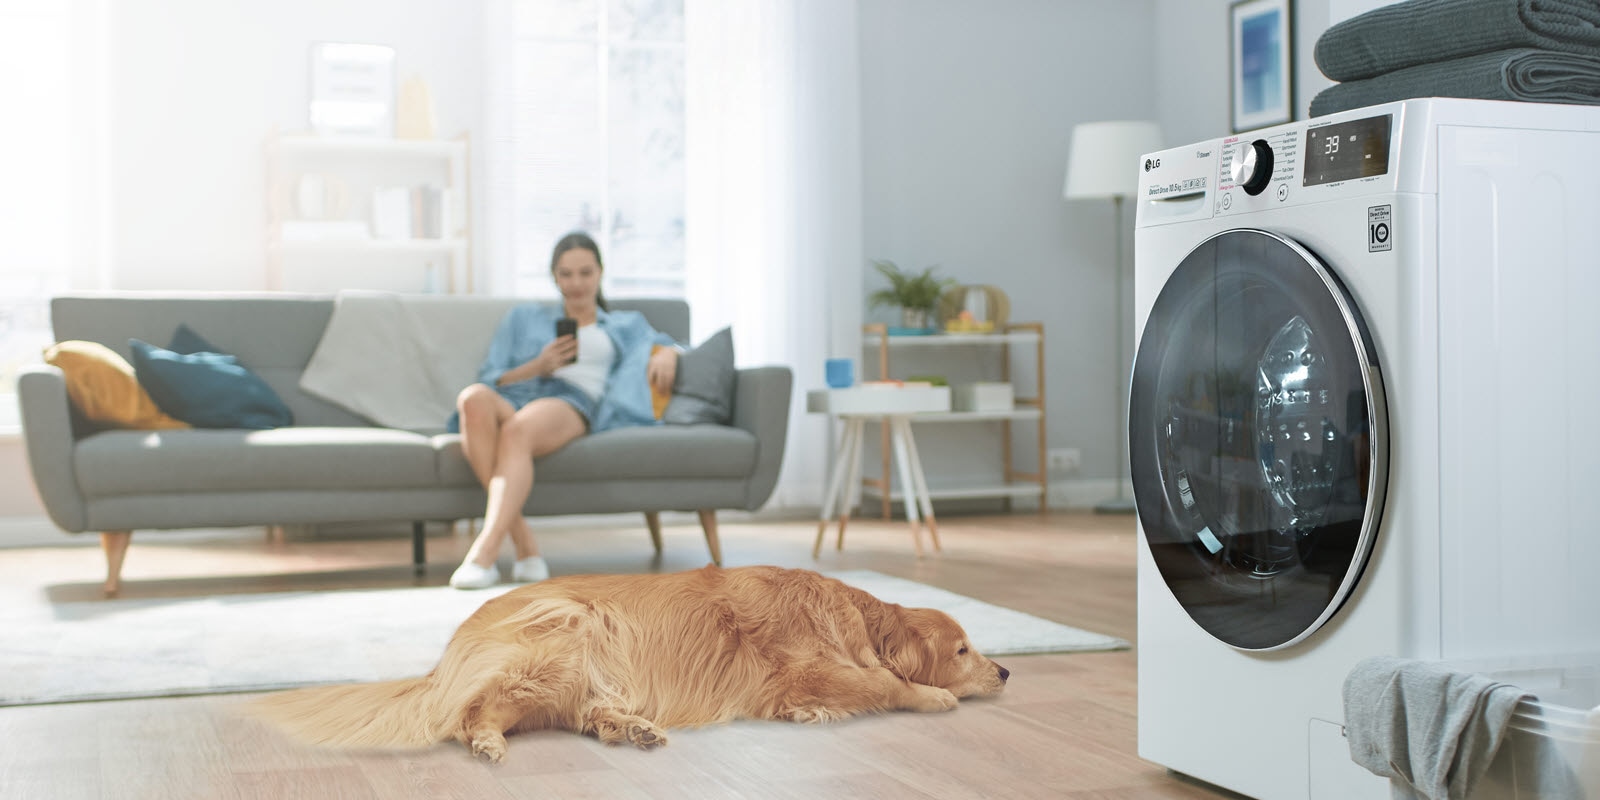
<point>410,212</point>
<point>428,212</point>
<point>391,212</point>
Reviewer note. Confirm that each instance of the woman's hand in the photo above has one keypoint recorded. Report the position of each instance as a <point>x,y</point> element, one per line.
<point>560,352</point>
<point>663,369</point>
<point>554,356</point>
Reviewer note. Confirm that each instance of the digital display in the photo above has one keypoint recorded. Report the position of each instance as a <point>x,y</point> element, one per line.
<point>1347,150</point>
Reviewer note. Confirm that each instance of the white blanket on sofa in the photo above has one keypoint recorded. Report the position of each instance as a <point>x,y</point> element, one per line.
<point>399,360</point>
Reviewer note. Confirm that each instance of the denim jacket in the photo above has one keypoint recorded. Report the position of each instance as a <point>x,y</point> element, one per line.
<point>528,328</point>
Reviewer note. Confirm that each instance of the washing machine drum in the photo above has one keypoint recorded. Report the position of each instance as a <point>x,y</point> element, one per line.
<point>1257,432</point>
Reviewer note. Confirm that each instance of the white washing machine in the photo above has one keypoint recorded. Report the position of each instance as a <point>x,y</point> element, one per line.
<point>1361,420</point>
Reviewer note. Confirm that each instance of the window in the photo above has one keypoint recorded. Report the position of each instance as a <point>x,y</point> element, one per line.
<point>35,208</point>
<point>597,98</point>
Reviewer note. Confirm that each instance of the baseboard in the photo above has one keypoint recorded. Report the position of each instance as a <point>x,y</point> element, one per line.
<point>1085,493</point>
<point>39,531</point>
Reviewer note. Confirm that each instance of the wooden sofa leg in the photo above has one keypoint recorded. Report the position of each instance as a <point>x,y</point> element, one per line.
<point>653,520</point>
<point>708,523</point>
<point>115,545</point>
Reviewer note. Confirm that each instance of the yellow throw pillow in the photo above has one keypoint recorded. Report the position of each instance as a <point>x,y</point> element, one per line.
<point>658,398</point>
<point>102,385</point>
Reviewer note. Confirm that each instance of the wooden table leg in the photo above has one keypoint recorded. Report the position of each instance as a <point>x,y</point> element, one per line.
<point>841,466</point>
<point>852,480</point>
<point>923,498</point>
<point>902,458</point>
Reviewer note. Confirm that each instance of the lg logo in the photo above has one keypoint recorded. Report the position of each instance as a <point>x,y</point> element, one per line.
<point>1151,163</point>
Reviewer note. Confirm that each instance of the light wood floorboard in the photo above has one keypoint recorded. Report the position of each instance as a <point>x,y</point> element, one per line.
<point>1065,727</point>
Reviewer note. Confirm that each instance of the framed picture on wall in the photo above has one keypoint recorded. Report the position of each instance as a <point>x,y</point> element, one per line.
<point>1261,63</point>
<point>352,90</point>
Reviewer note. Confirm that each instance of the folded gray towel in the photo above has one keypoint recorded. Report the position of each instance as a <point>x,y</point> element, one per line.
<point>1430,730</point>
<point>1527,75</point>
<point>1424,31</point>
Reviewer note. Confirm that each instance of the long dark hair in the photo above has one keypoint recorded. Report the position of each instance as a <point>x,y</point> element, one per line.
<point>573,241</point>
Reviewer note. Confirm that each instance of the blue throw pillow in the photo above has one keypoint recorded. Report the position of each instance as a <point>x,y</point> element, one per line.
<point>207,390</point>
<point>186,342</point>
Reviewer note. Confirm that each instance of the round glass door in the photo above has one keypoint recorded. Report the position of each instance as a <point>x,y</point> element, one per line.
<point>1258,435</point>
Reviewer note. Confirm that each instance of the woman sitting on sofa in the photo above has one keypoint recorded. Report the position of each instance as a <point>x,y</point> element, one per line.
<point>539,391</point>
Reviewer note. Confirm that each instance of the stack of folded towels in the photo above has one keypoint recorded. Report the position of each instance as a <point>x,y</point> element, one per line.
<point>1541,51</point>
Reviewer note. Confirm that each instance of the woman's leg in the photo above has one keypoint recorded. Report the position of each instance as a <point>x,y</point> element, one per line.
<point>537,429</point>
<point>482,411</point>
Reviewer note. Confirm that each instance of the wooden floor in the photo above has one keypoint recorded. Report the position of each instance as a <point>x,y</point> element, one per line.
<point>1065,728</point>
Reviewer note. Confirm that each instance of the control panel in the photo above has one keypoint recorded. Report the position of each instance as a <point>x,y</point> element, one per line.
<point>1289,164</point>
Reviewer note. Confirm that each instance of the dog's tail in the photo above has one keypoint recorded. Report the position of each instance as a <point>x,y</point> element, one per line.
<point>400,713</point>
<point>417,712</point>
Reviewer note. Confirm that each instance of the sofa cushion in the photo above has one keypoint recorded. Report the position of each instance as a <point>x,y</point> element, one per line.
<point>103,387</point>
<point>668,452</point>
<point>703,389</point>
<point>129,462</point>
<point>206,389</point>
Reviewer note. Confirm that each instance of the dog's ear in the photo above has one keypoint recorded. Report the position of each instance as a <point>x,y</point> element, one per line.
<point>904,647</point>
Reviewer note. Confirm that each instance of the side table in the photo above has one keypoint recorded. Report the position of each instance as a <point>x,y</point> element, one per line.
<point>854,406</point>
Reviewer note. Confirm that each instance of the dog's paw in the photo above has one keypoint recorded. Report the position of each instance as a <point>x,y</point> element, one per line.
<point>491,748</point>
<point>646,736</point>
<point>932,698</point>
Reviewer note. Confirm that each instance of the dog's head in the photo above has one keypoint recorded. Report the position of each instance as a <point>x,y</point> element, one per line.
<point>932,649</point>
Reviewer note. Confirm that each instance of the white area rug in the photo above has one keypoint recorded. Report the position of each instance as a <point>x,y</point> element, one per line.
<point>159,648</point>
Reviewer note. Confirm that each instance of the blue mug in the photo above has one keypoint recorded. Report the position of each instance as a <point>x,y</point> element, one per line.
<point>840,373</point>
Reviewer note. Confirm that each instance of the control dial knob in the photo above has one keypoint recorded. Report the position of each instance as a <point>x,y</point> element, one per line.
<point>1252,167</point>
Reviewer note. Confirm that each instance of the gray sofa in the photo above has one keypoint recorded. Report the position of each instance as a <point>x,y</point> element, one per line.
<point>332,465</point>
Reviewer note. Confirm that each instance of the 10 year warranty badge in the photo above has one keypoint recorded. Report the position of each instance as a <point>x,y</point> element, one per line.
<point>1380,231</point>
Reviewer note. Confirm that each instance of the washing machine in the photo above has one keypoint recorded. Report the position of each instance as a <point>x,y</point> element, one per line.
<point>1361,420</point>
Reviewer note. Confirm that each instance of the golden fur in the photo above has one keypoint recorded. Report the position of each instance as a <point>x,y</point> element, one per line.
<point>622,657</point>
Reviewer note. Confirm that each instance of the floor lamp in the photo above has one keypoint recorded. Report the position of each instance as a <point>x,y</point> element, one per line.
<point>1103,162</point>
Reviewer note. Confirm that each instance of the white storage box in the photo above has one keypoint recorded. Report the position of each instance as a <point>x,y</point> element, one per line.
<point>1552,751</point>
<point>982,396</point>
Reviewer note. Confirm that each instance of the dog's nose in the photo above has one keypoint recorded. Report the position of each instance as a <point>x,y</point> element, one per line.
<point>1004,674</point>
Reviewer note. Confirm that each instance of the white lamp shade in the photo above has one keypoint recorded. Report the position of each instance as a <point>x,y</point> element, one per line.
<point>1103,160</point>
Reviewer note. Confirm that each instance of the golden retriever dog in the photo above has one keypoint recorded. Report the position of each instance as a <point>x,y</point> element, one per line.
<point>623,657</point>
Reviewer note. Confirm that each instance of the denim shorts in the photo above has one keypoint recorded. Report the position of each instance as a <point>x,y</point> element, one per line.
<point>522,393</point>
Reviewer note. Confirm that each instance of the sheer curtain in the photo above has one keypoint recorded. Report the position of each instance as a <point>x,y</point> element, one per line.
<point>774,238</point>
<point>773,242</point>
<point>53,212</point>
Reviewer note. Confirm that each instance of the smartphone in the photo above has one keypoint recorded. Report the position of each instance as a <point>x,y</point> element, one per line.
<point>567,326</point>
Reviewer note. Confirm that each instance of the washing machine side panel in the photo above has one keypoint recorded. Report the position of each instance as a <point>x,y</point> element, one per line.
<point>1519,292</point>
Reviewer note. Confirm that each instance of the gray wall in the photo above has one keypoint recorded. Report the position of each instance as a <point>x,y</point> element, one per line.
<point>967,113</point>
<point>1192,58</point>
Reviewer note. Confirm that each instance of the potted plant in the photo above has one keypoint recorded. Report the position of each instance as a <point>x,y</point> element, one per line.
<point>916,295</point>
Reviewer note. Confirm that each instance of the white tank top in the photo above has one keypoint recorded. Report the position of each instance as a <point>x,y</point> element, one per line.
<point>595,356</point>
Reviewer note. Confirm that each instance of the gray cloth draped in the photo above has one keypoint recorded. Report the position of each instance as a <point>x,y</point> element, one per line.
<point>1425,31</point>
<point>1430,730</point>
<point>1528,75</point>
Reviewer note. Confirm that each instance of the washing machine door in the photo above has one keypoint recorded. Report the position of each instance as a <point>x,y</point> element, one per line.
<point>1257,430</point>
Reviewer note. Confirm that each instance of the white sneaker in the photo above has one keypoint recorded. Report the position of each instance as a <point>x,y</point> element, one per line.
<point>530,570</point>
<point>472,576</point>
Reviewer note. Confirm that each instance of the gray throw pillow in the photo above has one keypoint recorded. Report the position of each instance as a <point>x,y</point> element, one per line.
<point>703,390</point>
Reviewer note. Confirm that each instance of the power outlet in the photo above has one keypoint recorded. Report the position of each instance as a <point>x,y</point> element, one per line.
<point>1062,460</point>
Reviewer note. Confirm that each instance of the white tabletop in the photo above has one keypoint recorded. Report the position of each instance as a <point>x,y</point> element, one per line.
<point>879,400</point>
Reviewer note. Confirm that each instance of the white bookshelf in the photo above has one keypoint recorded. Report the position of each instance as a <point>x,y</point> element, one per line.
<point>1011,480</point>
<point>354,250</point>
